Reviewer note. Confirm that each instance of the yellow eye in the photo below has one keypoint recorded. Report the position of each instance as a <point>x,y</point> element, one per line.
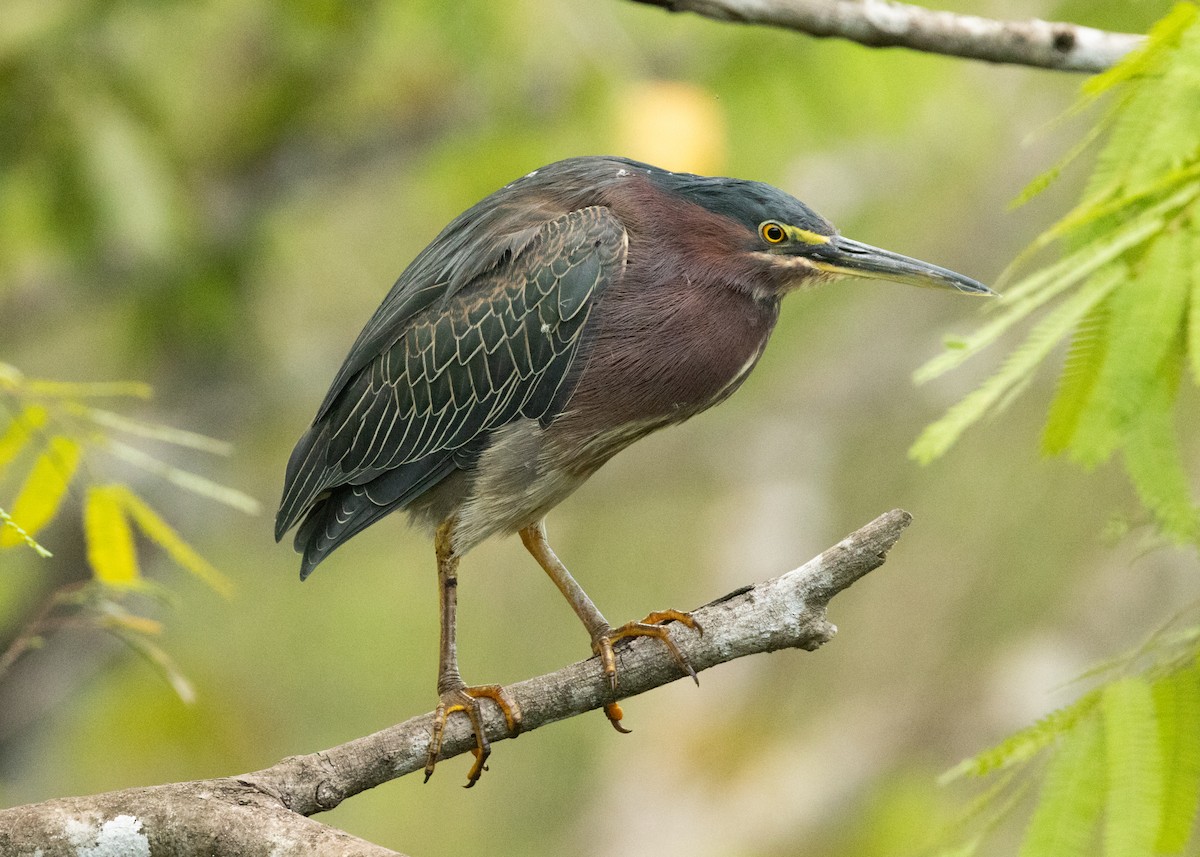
<point>772,232</point>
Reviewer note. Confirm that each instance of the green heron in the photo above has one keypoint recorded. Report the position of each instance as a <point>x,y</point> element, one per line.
<point>548,327</point>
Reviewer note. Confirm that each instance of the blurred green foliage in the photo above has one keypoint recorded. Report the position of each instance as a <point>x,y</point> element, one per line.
<point>1117,771</point>
<point>213,196</point>
<point>1121,773</point>
<point>54,440</point>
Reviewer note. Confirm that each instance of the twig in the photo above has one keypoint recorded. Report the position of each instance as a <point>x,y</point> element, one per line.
<point>265,810</point>
<point>30,635</point>
<point>883,23</point>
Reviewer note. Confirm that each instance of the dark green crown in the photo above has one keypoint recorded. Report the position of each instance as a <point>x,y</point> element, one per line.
<point>746,202</point>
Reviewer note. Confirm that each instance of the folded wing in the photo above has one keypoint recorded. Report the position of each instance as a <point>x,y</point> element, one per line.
<point>419,398</point>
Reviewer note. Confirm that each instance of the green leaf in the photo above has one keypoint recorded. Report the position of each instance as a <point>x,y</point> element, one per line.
<point>20,431</point>
<point>43,490</point>
<point>1080,371</point>
<point>1172,101</point>
<point>111,551</point>
<point>7,521</point>
<point>1140,203</point>
<point>1038,289</point>
<point>1193,343</point>
<point>1134,769</point>
<point>99,389</point>
<point>1151,130</point>
<point>1153,461</point>
<point>163,535</point>
<point>185,479</point>
<point>1146,317</point>
<point>1163,34</point>
<point>941,435</point>
<point>1022,746</point>
<point>157,658</point>
<point>1047,178</point>
<point>1177,706</point>
<point>151,431</point>
<point>1065,821</point>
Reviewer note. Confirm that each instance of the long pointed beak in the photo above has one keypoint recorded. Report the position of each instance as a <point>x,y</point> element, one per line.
<point>845,256</point>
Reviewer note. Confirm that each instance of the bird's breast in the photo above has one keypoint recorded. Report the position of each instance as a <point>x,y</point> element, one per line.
<point>660,355</point>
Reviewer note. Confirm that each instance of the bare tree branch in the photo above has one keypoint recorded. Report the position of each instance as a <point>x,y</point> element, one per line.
<point>202,818</point>
<point>883,24</point>
<point>265,811</point>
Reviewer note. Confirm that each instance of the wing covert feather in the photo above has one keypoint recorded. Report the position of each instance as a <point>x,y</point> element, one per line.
<point>498,348</point>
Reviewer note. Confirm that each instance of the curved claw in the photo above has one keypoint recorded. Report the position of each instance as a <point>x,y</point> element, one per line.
<point>612,710</point>
<point>651,626</point>
<point>466,699</point>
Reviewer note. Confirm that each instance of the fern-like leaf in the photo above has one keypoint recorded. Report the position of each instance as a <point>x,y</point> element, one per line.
<point>1153,460</point>
<point>1193,339</point>
<point>1163,34</point>
<point>43,490</point>
<point>1177,706</point>
<point>1146,315</point>
<point>111,551</point>
<point>1048,332</point>
<point>1072,797</point>
<point>1022,746</point>
<point>1175,94</point>
<point>1135,145</point>
<point>6,521</point>
<point>1038,289</point>
<point>1080,370</point>
<point>1047,178</point>
<point>1160,199</point>
<point>1134,769</point>
<point>1139,214</point>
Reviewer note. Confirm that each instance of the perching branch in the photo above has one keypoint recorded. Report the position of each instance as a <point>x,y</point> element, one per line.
<point>884,24</point>
<point>265,811</point>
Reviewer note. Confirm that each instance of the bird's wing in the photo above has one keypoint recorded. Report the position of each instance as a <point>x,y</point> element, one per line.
<point>483,238</point>
<point>500,347</point>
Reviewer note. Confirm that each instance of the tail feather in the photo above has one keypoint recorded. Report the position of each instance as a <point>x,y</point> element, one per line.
<point>329,524</point>
<point>302,483</point>
<point>349,509</point>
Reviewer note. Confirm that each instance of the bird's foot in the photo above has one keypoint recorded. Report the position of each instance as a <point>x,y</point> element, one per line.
<point>651,626</point>
<point>466,699</point>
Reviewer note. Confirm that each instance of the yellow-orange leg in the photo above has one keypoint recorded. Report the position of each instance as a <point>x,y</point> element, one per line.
<point>648,627</point>
<point>604,635</point>
<point>466,699</point>
<point>453,693</point>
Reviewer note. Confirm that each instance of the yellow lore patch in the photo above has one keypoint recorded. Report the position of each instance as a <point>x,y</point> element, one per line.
<point>808,237</point>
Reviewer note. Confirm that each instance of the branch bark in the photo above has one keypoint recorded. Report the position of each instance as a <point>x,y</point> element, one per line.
<point>266,811</point>
<point>883,23</point>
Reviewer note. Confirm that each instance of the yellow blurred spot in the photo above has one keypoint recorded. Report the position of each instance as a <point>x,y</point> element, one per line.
<point>20,432</point>
<point>677,126</point>
<point>110,549</point>
<point>43,490</point>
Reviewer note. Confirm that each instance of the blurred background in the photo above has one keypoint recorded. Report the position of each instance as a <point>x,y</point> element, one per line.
<point>213,196</point>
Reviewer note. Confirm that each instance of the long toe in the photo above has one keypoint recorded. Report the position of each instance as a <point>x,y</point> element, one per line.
<point>652,626</point>
<point>466,699</point>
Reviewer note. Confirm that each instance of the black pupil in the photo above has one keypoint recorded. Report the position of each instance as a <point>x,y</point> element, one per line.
<point>774,233</point>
